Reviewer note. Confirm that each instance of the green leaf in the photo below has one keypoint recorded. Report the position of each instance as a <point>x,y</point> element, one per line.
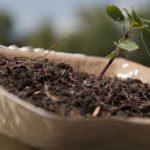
<point>126,22</point>
<point>127,45</point>
<point>111,55</point>
<point>145,36</point>
<point>145,20</point>
<point>129,15</point>
<point>115,13</point>
<point>137,23</point>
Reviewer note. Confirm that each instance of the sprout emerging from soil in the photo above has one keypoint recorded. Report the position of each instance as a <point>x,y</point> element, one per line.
<point>131,24</point>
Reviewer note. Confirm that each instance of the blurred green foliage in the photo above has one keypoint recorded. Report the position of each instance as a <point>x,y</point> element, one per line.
<point>6,24</point>
<point>42,36</point>
<point>95,35</point>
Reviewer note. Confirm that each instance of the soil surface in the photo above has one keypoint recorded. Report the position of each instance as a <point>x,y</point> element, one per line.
<point>56,87</point>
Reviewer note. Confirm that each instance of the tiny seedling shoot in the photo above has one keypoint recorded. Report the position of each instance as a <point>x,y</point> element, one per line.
<point>131,24</point>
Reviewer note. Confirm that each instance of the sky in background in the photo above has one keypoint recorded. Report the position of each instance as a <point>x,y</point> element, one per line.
<point>28,13</point>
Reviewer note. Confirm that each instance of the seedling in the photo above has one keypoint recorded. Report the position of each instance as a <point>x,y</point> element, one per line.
<point>131,23</point>
<point>57,43</point>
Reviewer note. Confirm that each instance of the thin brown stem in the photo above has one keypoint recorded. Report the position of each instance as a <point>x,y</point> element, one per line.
<point>105,69</point>
<point>117,52</point>
<point>52,47</point>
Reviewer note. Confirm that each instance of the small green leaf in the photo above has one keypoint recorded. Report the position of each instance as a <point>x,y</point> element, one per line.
<point>127,45</point>
<point>116,43</point>
<point>111,55</point>
<point>126,22</point>
<point>145,20</point>
<point>129,15</point>
<point>137,23</point>
<point>115,13</point>
<point>145,36</point>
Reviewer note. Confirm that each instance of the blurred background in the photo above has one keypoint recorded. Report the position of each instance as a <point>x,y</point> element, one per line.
<point>85,24</point>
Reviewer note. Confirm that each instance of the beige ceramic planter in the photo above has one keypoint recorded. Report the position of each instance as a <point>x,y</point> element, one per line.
<point>36,127</point>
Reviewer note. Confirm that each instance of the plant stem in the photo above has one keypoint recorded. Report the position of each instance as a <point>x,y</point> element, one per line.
<point>52,48</point>
<point>108,65</point>
<point>117,52</point>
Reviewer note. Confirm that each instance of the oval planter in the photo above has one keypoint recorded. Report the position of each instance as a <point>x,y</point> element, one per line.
<point>45,130</point>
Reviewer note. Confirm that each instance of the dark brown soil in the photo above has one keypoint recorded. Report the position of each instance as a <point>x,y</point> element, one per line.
<point>57,88</point>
